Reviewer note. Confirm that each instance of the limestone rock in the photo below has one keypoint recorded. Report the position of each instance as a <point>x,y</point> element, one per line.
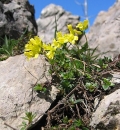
<point>116,77</point>
<point>15,17</point>
<point>107,115</point>
<point>105,32</point>
<point>18,77</point>
<point>46,22</point>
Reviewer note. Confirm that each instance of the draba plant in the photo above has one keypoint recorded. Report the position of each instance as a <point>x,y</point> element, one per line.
<point>76,71</point>
<point>69,60</point>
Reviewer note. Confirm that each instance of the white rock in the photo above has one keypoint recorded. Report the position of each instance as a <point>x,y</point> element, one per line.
<point>18,77</point>
<point>107,112</point>
<point>105,32</point>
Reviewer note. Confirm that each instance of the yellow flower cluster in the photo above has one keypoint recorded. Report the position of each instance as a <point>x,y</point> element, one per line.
<point>35,46</point>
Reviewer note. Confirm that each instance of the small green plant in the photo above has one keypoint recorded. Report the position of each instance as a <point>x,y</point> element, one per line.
<point>91,86</point>
<point>11,47</point>
<point>8,45</point>
<point>24,126</point>
<point>39,87</point>
<point>71,124</point>
<point>106,83</point>
<point>79,124</point>
<point>29,116</point>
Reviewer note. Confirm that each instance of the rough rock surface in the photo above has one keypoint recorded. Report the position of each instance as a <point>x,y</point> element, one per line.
<point>15,17</point>
<point>107,115</point>
<point>116,77</point>
<point>18,77</point>
<point>105,32</point>
<point>46,22</point>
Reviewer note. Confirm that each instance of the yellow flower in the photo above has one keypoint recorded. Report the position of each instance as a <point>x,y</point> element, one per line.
<point>82,26</point>
<point>71,38</point>
<point>56,44</point>
<point>70,28</point>
<point>49,50</point>
<point>59,34</point>
<point>85,24</point>
<point>30,54</point>
<point>73,31</point>
<point>46,47</point>
<point>67,37</point>
<point>77,32</point>
<point>61,38</point>
<point>50,54</point>
<point>33,47</point>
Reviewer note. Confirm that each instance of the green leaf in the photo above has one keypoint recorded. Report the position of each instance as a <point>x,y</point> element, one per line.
<point>23,126</point>
<point>88,75</point>
<point>25,118</point>
<point>55,28</point>
<point>84,47</point>
<point>72,128</point>
<point>84,128</point>
<point>6,42</point>
<point>78,101</point>
<point>65,120</point>
<point>93,51</point>
<point>79,64</point>
<point>78,123</point>
<point>106,83</point>
<point>91,86</point>
<point>38,87</point>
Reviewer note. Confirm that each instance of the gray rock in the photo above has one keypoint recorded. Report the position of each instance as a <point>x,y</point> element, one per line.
<point>46,22</point>
<point>15,17</point>
<point>105,32</point>
<point>18,77</point>
<point>116,77</point>
<point>107,115</point>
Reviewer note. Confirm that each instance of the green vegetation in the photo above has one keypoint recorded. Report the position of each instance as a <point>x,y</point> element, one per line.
<point>39,87</point>
<point>12,47</point>
<point>29,118</point>
<point>77,72</point>
<point>7,49</point>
